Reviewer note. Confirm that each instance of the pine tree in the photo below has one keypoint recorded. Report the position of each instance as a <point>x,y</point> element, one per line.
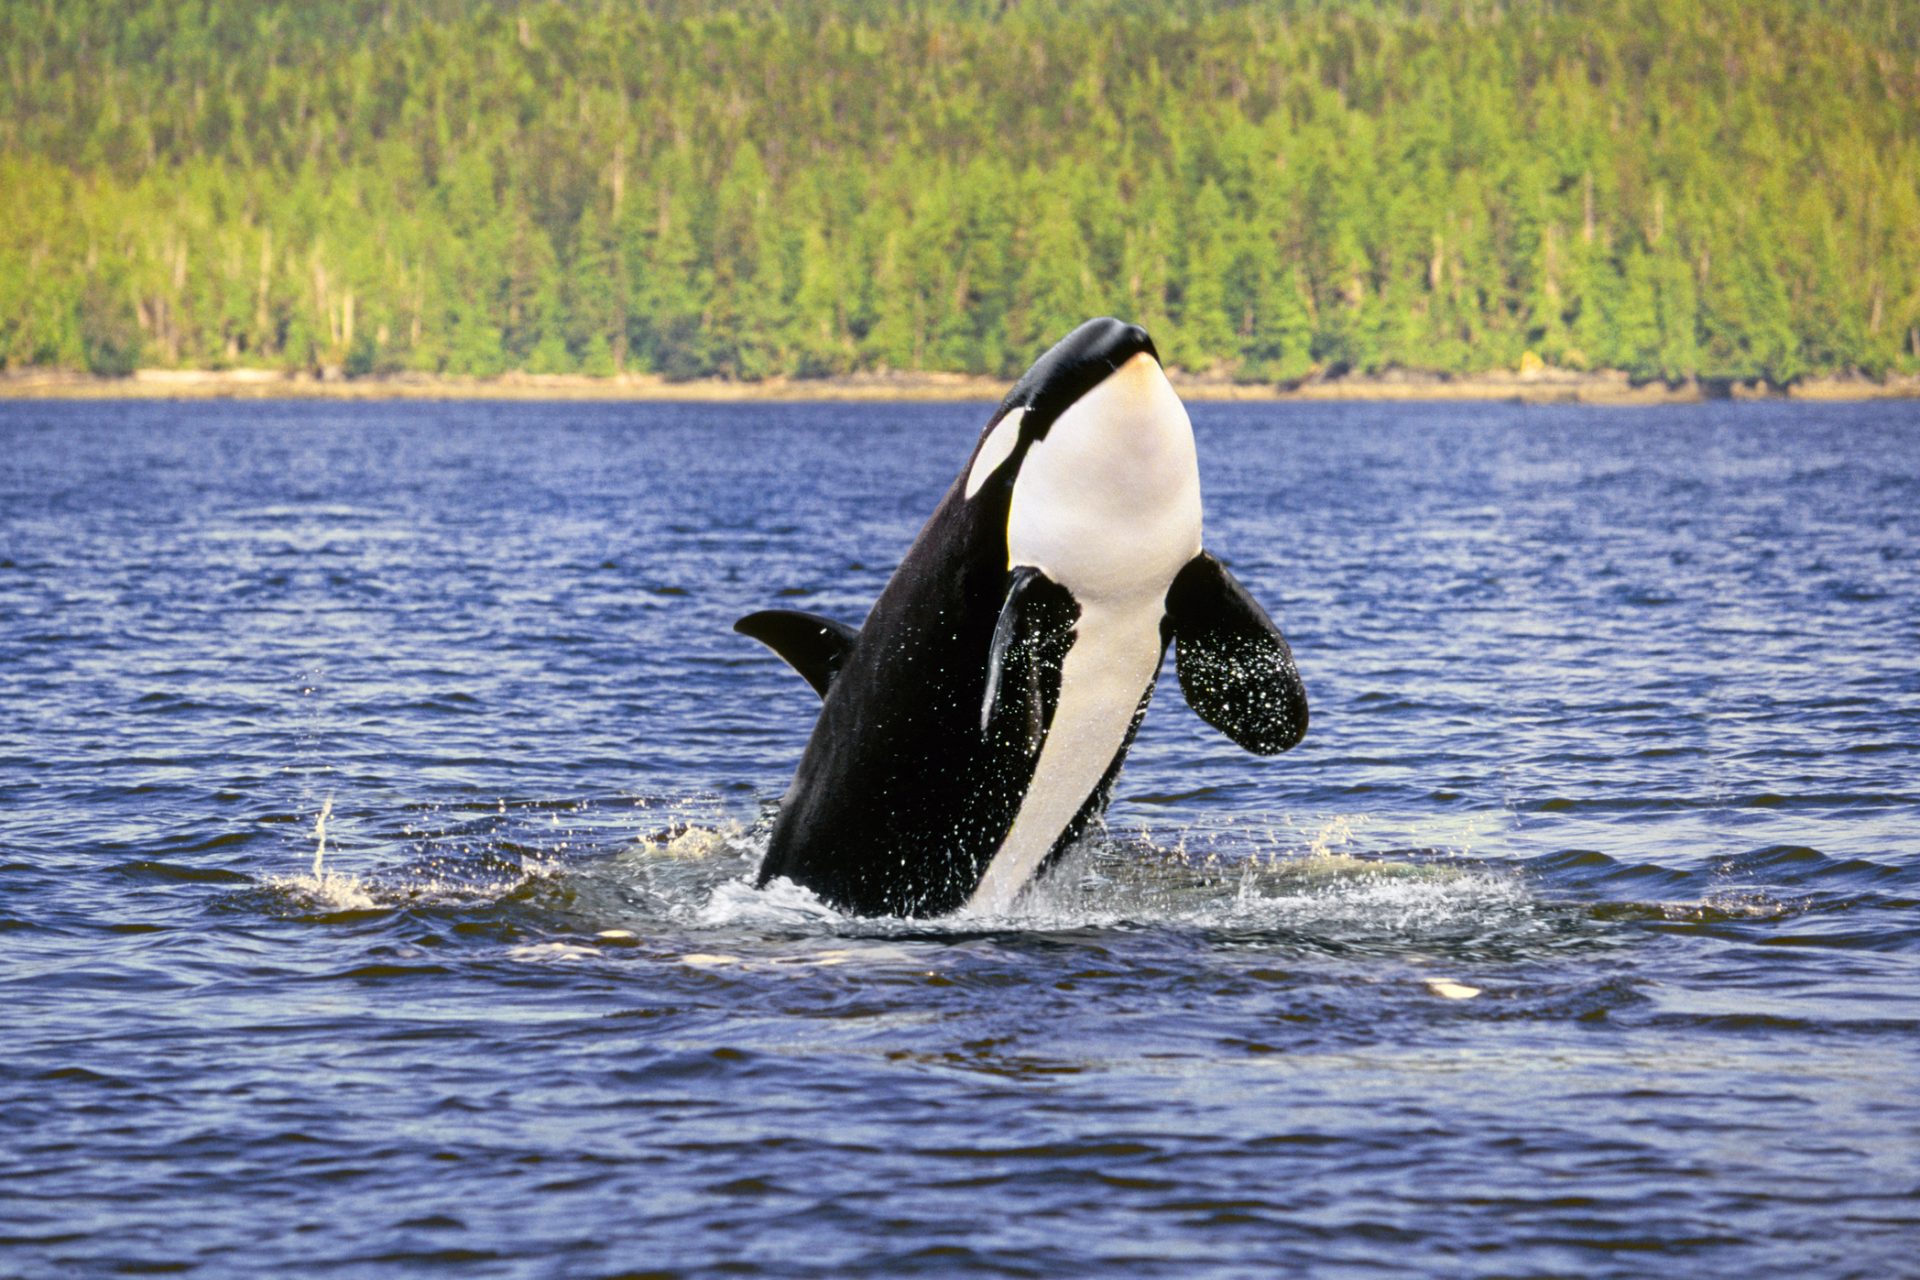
<point>1056,290</point>
<point>1636,324</point>
<point>593,327</point>
<point>1206,333</point>
<point>1679,349</point>
<point>109,334</point>
<point>744,319</point>
<point>749,191</point>
<point>1280,348</point>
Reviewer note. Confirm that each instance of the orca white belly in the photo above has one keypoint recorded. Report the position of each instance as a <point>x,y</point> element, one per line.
<point>1101,681</point>
<point>1108,506</point>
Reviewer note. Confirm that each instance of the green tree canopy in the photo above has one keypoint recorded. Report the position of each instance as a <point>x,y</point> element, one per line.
<point>691,187</point>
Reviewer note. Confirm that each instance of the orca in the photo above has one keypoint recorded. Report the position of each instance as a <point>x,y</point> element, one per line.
<point>974,726</point>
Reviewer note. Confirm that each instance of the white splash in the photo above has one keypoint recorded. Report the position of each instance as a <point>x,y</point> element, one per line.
<point>550,952</point>
<point>331,890</point>
<point>1332,877</point>
<point>812,960</point>
<point>702,841</point>
<point>320,838</point>
<point>736,902</point>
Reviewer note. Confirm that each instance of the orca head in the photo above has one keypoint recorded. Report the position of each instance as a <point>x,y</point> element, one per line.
<point>1099,455</point>
<point>1116,359</point>
<point>1074,366</point>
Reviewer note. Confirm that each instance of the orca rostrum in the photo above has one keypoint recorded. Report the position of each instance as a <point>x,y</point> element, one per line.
<point>974,726</point>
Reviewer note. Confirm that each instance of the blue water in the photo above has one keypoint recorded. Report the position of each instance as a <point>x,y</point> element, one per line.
<point>381,787</point>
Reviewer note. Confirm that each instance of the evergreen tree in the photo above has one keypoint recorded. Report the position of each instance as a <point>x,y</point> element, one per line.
<point>1056,291</point>
<point>711,188</point>
<point>1679,351</point>
<point>1205,332</point>
<point>109,333</point>
<point>1280,348</point>
<point>593,328</point>
<point>745,317</point>
<point>1636,323</point>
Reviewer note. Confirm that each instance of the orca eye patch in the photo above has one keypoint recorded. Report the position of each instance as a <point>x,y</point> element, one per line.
<point>1074,366</point>
<point>995,449</point>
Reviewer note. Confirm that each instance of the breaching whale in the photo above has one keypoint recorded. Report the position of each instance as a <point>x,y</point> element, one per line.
<point>975,724</point>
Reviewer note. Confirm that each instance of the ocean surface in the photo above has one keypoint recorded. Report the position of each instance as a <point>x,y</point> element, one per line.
<point>381,789</point>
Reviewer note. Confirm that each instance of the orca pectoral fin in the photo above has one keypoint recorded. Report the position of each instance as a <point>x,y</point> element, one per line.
<point>1030,640</point>
<point>810,644</point>
<point>1235,667</point>
<point>1004,630</point>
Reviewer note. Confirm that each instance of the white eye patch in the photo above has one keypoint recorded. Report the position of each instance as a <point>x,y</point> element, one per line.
<point>997,449</point>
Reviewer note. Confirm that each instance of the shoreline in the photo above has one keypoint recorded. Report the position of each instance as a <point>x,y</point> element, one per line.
<point>1533,387</point>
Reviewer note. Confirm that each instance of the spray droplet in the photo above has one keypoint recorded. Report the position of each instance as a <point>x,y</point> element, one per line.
<point>320,836</point>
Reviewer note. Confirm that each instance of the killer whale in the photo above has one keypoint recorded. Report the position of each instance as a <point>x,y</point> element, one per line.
<point>975,724</point>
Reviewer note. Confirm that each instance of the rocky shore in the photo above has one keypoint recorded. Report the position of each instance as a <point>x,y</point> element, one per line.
<point>1535,386</point>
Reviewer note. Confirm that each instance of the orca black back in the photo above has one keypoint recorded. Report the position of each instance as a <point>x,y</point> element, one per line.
<point>937,714</point>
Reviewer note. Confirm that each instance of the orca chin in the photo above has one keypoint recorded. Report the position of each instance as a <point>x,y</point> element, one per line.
<point>973,728</point>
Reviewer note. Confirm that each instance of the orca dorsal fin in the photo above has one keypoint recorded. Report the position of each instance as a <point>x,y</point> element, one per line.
<point>1235,667</point>
<point>810,644</point>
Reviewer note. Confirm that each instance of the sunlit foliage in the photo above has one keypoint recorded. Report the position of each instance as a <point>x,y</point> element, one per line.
<point>1668,188</point>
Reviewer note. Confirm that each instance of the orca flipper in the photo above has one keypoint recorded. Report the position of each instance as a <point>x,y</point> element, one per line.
<point>1030,639</point>
<point>810,644</point>
<point>1235,667</point>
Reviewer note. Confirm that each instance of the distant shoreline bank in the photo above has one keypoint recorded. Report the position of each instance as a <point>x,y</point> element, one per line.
<point>1539,387</point>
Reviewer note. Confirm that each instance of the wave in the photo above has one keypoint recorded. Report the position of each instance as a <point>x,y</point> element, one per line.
<point>564,881</point>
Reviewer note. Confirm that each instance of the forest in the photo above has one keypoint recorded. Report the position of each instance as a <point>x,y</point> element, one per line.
<point>1276,190</point>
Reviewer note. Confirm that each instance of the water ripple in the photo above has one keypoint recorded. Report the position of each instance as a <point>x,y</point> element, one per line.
<point>381,790</point>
